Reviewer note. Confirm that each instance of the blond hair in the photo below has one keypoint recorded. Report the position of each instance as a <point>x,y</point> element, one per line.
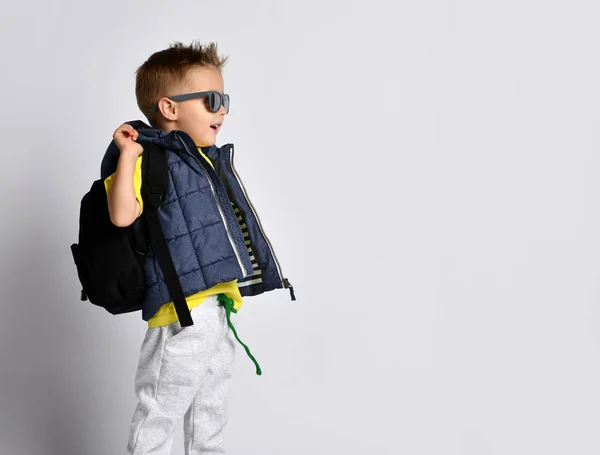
<point>167,70</point>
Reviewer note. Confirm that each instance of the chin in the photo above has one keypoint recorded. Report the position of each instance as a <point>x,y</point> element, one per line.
<point>206,142</point>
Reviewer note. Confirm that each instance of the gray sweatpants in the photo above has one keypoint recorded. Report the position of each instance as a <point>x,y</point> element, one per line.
<point>184,372</point>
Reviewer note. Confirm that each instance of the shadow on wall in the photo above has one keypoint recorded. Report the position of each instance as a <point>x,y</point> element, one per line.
<point>45,402</point>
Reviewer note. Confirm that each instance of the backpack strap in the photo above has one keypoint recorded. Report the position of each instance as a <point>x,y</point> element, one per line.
<point>155,180</point>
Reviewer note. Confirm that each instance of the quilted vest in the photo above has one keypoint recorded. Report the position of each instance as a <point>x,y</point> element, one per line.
<point>200,218</point>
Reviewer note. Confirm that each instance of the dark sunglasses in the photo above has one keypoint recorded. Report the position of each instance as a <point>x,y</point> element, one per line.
<point>215,100</point>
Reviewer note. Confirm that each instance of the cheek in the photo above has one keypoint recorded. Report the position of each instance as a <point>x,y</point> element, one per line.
<point>203,115</point>
<point>198,118</point>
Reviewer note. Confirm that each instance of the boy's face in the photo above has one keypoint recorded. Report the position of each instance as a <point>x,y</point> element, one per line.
<point>194,116</point>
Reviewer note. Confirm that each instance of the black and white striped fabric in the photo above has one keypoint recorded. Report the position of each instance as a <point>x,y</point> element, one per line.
<point>256,277</point>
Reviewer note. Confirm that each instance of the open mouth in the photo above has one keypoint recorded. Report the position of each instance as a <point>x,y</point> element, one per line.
<point>215,127</point>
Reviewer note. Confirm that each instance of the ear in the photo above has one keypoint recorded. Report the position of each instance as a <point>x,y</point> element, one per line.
<point>168,109</point>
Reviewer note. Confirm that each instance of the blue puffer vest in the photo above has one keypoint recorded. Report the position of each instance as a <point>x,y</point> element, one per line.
<point>212,229</point>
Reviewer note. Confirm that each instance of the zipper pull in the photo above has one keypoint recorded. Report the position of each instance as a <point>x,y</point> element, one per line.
<point>288,285</point>
<point>83,295</point>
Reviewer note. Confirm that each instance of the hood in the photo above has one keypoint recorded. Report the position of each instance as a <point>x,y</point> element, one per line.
<point>169,141</point>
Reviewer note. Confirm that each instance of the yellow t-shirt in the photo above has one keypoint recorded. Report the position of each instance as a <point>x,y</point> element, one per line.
<point>167,314</point>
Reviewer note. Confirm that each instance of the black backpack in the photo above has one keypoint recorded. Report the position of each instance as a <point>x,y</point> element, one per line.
<point>110,259</point>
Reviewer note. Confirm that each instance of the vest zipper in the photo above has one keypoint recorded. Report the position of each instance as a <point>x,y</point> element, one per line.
<point>229,236</point>
<point>284,281</point>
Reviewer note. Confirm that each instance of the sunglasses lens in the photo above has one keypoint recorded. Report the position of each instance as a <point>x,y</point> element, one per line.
<point>214,101</point>
<point>226,103</point>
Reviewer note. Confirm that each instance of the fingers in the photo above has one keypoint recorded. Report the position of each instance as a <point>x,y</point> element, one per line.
<point>126,131</point>
<point>125,135</point>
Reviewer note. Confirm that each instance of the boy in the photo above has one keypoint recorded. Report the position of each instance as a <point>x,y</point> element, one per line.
<point>216,240</point>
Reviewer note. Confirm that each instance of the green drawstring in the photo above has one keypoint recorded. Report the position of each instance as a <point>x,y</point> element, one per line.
<point>227,303</point>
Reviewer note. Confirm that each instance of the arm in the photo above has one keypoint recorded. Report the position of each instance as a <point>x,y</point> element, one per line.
<point>123,205</point>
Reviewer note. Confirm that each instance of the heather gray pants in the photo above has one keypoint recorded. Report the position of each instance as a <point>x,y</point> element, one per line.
<point>184,373</point>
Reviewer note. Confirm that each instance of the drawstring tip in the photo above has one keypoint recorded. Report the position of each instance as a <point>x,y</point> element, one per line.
<point>288,285</point>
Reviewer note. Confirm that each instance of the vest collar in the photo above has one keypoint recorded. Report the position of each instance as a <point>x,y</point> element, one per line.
<point>161,138</point>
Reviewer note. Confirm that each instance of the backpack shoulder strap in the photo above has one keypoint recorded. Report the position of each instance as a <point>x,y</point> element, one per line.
<point>155,180</point>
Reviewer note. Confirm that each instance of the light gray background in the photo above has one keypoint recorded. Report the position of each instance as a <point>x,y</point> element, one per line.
<point>427,172</point>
